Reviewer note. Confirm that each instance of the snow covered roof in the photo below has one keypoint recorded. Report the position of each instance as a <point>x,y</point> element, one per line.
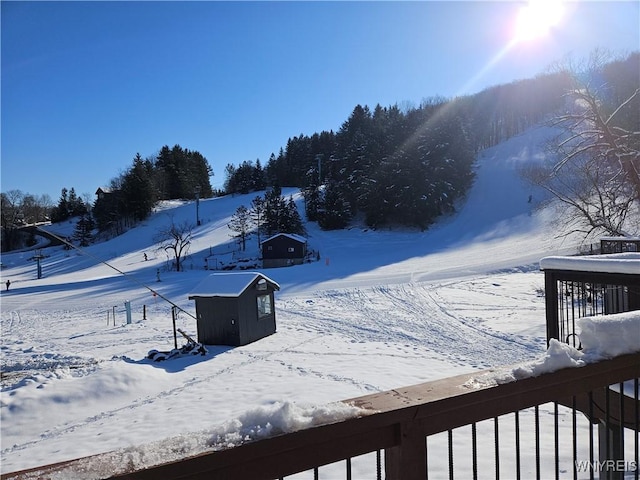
<point>294,236</point>
<point>230,284</point>
<point>628,263</point>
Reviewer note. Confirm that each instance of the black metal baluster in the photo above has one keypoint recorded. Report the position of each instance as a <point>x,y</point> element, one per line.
<point>591,454</point>
<point>556,440</point>
<point>450,440</point>
<point>622,419</point>
<point>607,423</point>
<point>518,465</point>
<point>348,468</point>
<point>474,451</point>
<point>537,435</point>
<point>636,387</point>
<point>496,436</point>
<point>574,431</point>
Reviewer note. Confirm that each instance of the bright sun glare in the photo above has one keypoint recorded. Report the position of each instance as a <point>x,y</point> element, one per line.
<point>537,18</point>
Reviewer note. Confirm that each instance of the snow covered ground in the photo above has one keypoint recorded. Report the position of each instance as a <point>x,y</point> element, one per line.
<point>381,309</point>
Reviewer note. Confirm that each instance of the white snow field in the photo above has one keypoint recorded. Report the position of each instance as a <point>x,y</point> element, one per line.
<point>381,309</point>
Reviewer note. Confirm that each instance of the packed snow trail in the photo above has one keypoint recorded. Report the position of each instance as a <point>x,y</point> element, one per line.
<point>409,316</point>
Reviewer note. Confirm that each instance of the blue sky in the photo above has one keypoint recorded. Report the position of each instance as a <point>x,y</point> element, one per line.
<point>87,85</point>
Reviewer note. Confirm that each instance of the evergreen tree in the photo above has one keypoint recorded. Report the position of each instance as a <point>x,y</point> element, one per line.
<point>230,182</point>
<point>311,194</point>
<point>257,214</point>
<point>291,221</point>
<point>335,211</point>
<point>74,203</point>
<point>280,215</point>
<point>241,224</point>
<point>180,171</point>
<point>258,179</point>
<point>274,211</point>
<point>69,205</point>
<point>83,230</point>
<point>61,211</point>
<point>244,177</point>
<point>137,190</point>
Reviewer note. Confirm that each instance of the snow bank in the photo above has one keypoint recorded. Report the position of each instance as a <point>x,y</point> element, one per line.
<point>602,337</point>
<point>258,423</point>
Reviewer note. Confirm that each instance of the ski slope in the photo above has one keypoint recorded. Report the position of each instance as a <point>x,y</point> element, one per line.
<point>380,310</point>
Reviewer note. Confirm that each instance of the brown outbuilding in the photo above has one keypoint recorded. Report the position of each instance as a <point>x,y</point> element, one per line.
<point>235,308</point>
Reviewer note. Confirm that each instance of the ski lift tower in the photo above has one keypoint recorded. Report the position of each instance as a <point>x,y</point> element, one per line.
<point>38,257</point>
<point>198,205</point>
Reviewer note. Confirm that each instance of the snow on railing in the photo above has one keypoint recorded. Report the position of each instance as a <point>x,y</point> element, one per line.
<point>602,337</point>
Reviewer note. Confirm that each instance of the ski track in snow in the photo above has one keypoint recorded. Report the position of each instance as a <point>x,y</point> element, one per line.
<point>412,315</point>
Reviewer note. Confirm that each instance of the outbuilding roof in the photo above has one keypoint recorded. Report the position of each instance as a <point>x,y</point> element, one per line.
<point>298,238</point>
<point>230,284</point>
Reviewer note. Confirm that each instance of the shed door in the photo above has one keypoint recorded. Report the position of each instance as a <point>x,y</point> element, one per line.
<point>232,331</point>
<point>218,322</point>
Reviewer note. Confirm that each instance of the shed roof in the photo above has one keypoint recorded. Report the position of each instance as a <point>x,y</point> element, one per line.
<point>230,284</point>
<point>298,238</point>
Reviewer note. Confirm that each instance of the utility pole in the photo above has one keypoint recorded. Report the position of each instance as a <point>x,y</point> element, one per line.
<point>198,205</point>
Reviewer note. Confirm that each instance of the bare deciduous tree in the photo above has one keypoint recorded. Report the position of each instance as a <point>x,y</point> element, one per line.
<point>18,209</point>
<point>596,168</point>
<point>175,239</point>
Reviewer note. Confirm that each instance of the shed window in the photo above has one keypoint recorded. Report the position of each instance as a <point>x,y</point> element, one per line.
<point>291,249</point>
<point>265,308</point>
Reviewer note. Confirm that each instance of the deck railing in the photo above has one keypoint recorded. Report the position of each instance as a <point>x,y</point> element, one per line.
<point>577,287</point>
<point>619,244</point>
<point>431,429</point>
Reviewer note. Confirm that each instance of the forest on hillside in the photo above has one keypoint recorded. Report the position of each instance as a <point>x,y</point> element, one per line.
<point>409,166</point>
<point>398,166</point>
<point>386,165</point>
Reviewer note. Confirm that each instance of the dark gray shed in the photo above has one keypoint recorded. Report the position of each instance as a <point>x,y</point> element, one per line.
<point>235,308</point>
<point>283,249</point>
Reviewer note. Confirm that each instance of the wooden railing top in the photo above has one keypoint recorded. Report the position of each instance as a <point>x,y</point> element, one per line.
<point>429,408</point>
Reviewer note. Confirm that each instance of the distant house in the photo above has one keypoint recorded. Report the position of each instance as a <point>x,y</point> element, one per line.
<point>283,249</point>
<point>235,308</point>
<point>103,193</point>
<point>107,197</point>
